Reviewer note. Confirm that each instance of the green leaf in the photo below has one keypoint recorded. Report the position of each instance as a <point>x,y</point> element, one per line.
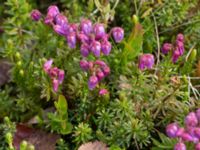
<point>133,46</point>
<point>61,105</point>
<point>67,129</point>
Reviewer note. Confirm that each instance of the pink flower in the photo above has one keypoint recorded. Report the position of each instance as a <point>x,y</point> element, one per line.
<point>36,15</point>
<point>166,48</point>
<point>55,85</point>
<point>99,31</point>
<point>146,61</point>
<point>47,65</point>
<point>172,130</point>
<point>92,83</point>
<point>61,76</point>
<point>118,34</point>
<point>103,92</point>
<point>86,26</point>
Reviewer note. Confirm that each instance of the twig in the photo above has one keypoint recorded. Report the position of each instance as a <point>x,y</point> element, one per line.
<point>158,40</point>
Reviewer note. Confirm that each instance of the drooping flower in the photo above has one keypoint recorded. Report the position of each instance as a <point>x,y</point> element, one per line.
<point>36,15</point>
<point>100,75</point>
<point>84,64</point>
<point>180,146</point>
<point>180,37</point>
<point>53,11</point>
<point>95,48</point>
<point>83,38</point>
<point>71,40</point>
<point>172,130</point>
<point>61,76</point>
<point>118,34</point>
<point>146,61</point>
<point>106,70</point>
<point>186,137</point>
<point>191,119</point>
<point>58,29</point>
<point>84,50</point>
<point>99,31</point>
<point>47,65</point>
<point>86,26</point>
<point>55,85</point>
<point>61,20</point>
<point>175,56</point>
<point>92,83</point>
<point>166,48</point>
<point>106,47</point>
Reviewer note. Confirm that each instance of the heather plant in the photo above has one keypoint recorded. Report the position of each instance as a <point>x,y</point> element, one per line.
<point>110,74</point>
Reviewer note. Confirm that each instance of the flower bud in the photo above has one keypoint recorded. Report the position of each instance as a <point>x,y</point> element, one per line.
<point>100,75</point>
<point>95,47</point>
<point>146,61</point>
<point>191,120</point>
<point>71,40</point>
<point>86,26</point>
<point>99,31</point>
<point>47,65</point>
<point>166,48</point>
<point>36,15</point>
<point>100,63</point>
<point>175,56</point>
<point>186,137</point>
<point>84,50</point>
<point>91,65</point>
<point>103,92</point>
<point>59,29</point>
<point>18,55</point>
<point>21,72</point>
<point>106,70</point>
<point>118,34</point>
<point>172,130</point>
<point>180,47</point>
<point>84,65</point>
<point>180,146</point>
<point>180,37</point>
<point>180,132</point>
<point>72,28</point>
<point>106,47</point>
<point>82,37</point>
<point>61,76</point>
<point>52,11</point>
<point>53,72</point>
<point>92,83</point>
<point>61,20</point>
<point>197,146</point>
<point>48,20</point>
<point>135,19</point>
<point>19,63</point>
<point>55,85</point>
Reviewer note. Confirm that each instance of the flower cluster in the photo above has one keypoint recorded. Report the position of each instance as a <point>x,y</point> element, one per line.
<point>98,71</point>
<point>56,75</point>
<point>92,38</point>
<point>190,133</point>
<point>177,49</point>
<point>146,61</point>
